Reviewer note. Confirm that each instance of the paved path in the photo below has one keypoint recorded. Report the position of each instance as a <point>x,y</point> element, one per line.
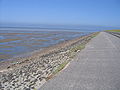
<point>97,67</point>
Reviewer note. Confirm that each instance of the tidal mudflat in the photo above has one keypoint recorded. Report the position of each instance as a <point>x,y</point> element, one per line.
<point>15,43</point>
<point>30,73</point>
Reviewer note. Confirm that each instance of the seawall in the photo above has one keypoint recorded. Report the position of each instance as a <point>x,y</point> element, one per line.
<point>32,72</point>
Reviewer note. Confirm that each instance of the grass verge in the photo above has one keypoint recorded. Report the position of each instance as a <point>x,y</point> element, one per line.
<point>72,54</point>
<point>117,30</point>
<point>59,68</point>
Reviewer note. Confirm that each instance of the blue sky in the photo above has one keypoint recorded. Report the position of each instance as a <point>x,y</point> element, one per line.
<point>69,12</point>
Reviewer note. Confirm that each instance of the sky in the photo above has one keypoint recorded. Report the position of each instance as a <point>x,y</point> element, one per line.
<point>60,12</point>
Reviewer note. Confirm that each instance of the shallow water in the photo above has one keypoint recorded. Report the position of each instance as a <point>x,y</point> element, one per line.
<point>14,43</point>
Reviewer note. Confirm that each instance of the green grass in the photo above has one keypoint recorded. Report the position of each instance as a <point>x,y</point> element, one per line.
<point>79,47</point>
<point>117,30</point>
<point>95,34</point>
<point>60,67</point>
<point>75,49</point>
<point>72,54</point>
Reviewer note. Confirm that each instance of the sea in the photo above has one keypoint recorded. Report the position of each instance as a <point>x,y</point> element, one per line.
<point>17,41</point>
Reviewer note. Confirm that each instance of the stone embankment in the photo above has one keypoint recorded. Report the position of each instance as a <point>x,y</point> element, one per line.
<point>32,75</point>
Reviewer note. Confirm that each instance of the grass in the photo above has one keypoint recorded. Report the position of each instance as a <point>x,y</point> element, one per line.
<point>79,47</point>
<point>95,34</point>
<point>117,30</point>
<point>75,49</point>
<point>59,68</point>
<point>72,53</point>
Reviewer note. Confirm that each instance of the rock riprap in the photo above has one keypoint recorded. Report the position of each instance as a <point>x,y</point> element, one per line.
<point>34,74</point>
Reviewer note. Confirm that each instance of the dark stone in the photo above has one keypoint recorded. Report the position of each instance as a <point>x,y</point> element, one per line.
<point>20,72</point>
<point>27,80</point>
<point>8,67</point>
<point>32,87</point>
<point>10,76</point>
<point>40,79</point>
<point>1,86</point>
<point>26,88</point>
<point>13,84</point>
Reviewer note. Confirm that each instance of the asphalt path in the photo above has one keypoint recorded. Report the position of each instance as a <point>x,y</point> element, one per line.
<point>97,67</point>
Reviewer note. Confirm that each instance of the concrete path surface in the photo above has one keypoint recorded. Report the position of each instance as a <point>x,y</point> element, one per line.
<point>97,67</point>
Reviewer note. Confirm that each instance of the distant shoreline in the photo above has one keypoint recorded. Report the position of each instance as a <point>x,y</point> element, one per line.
<point>69,29</point>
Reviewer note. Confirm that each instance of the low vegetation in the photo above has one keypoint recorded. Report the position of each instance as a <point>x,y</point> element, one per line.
<point>72,53</point>
<point>76,49</point>
<point>79,47</point>
<point>44,67</point>
<point>117,30</point>
<point>60,67</point>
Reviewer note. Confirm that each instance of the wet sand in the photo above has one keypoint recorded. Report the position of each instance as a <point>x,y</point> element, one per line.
<point>21,61</point>
<point>15,43</point>
<point>31,72</point>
